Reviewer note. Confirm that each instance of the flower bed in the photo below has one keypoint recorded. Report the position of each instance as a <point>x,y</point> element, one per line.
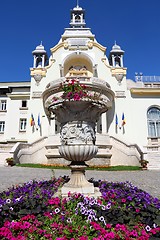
<point>30,211</point>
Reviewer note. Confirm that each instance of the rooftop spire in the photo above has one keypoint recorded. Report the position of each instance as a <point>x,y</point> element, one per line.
<point>77,17</point>
<point>77,3</point>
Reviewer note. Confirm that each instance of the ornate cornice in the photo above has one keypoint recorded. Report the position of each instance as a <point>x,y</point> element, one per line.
<point>55,48</point>
<point>102,48</point>
<point>105,62</point>
<point>38,71</point>
<point>90,44</point>
<point>116,71</point>
<point>14,96</point>
<point>145,91</point>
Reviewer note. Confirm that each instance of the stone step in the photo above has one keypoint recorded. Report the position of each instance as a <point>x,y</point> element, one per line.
<point>5,153</point>
<point>6,147</point>
<point>154,167</point>
<point>154,160</point>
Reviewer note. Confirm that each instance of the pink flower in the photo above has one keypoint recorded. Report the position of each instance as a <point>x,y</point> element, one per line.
<point>63,238</point>
<point>134,233</point>
<point>137,210</point>
<point>83,238</point>
<point>69,194</point>
<point>26,225</point>
<point>26,218</point>
<point>108,226</point>
<point>110,235</point>
<point>96,226</point>
<point>112,195</point>
<point>54,201</point>
<point>16,225</point>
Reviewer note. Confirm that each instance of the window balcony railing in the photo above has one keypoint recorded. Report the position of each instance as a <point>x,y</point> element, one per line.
<point>147,81</point>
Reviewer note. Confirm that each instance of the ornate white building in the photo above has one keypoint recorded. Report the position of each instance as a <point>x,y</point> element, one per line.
<point>126,133</point>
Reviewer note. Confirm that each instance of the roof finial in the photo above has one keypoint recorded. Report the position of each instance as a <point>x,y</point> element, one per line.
<point>115,42</point>
<point>77,3</point>
<point>41,43</point>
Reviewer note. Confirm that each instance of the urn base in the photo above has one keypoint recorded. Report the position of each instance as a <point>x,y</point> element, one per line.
<point>79,184</point>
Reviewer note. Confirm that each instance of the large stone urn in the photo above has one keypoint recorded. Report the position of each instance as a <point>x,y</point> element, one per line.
<point>77,120</point>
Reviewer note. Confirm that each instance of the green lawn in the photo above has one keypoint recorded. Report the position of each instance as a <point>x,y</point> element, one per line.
<point>113,168</point>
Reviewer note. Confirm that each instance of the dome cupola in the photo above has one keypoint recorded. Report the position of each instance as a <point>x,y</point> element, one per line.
<point>40,56</point>
<point>116,56</point>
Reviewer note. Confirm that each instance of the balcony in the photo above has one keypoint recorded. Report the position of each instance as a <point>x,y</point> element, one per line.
<point>148,81</point>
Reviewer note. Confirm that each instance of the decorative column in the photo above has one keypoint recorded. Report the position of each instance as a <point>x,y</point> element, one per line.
<point>121,61</point>
<point>104,123</point>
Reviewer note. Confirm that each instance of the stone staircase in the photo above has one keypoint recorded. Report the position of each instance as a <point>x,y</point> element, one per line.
<point>154,160</point>
<point>102,158</point>
<point>5,149</point>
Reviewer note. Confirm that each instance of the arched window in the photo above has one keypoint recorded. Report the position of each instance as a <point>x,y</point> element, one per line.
<point>153,117</point>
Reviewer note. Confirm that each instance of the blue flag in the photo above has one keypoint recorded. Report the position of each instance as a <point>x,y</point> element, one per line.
<point>39,123</point>
<point>123,119</point>
<point>116,119</point>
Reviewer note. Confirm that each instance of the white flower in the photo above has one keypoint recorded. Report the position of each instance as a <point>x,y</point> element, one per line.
<point>155,225</point>
<point>108,206</point>
<point>148,228</point>
<point>95,219</point>
<point>8,201</point>
<point>101,219</point>
<point>103,207</point>
<point>18,199</point>
<point>57,210</point>
<point>90,217</point>
<point>69,220</point>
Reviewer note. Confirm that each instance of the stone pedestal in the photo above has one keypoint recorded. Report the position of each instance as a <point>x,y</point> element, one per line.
<point>78,154</point>
<point>78,182</point>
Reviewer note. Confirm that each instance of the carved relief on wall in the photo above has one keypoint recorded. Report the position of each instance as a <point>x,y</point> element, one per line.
<point>78,71</point>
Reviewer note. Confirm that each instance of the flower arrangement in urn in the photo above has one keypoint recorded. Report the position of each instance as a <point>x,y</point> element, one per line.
<point>73,90</point>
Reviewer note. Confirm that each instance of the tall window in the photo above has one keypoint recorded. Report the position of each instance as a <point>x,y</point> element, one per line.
<point>153,117</point>
<point>3,104</point>
<point>2,126</point>
<point>23,124</point>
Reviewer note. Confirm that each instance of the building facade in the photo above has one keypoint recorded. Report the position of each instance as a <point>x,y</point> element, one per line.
<point>128,132</point>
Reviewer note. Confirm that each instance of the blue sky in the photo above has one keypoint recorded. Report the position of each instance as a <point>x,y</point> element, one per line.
<point>134,24</point>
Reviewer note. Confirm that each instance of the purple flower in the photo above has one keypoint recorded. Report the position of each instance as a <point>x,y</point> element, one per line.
<point>108,206</point>
<point>90,217</point>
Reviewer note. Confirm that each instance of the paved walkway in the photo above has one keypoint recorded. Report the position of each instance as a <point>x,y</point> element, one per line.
<point>147,180</point>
